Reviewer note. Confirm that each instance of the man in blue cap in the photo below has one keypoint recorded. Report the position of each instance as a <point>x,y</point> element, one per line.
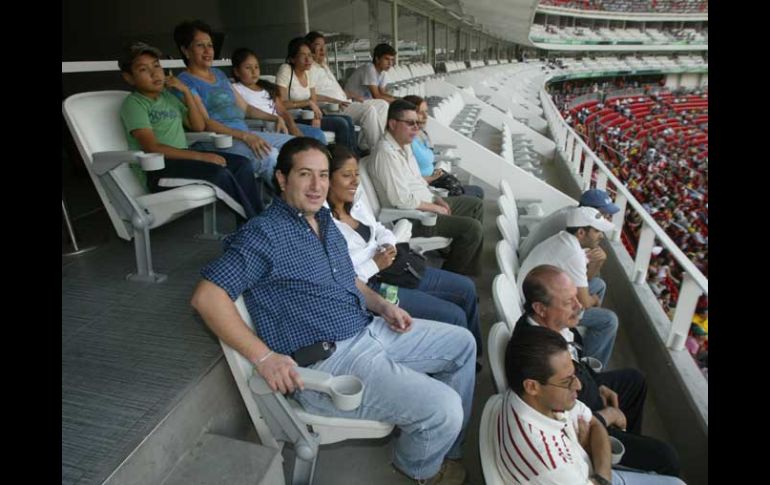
<point>557,221</point>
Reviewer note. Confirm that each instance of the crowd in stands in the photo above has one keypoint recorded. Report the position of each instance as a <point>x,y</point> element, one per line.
<point>656,143</point>
<point>637,6</point>
<point>317,271</point>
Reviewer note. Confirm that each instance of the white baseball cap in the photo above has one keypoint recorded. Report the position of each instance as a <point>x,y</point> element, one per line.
<point>588,216</point>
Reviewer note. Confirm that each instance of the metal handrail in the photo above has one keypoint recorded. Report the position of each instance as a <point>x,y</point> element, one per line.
<point>694,283</point>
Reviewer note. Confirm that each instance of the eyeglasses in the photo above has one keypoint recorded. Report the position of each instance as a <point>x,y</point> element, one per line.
<point>204,45</point>
<point>572,379</point>
<point>411,123</point>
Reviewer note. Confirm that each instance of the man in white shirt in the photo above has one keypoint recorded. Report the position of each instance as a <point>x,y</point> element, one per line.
<point>370,114</point>
<point>398,183</point>
<point>546,436</point>
<point>368,81</point>
<point>569,251</point>
<point>557,221</point>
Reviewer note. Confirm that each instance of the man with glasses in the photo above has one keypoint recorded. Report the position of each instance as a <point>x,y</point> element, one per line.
<point>398,183</point>
<point>569,250</point>
<point>615,397</point>
<point>546,435</point>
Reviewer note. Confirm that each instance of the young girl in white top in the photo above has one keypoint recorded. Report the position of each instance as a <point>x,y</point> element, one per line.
<point>263,96</point>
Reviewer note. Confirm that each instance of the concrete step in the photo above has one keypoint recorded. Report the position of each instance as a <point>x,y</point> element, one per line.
<point>218,459</point>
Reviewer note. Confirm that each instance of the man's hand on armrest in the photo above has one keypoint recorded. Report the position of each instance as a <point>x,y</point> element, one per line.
<point>280,372</point>
<point>429,207</point>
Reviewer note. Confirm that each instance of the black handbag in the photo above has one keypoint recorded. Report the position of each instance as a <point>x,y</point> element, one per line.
<point>449,182</point>
<point>407,269</point>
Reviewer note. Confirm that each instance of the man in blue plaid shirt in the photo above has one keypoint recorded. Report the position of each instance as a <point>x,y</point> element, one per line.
<point>292,266</point>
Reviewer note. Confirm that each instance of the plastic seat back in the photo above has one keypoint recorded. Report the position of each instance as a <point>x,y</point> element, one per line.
<point>505,226</point>
<point>94,121</point>
<point>507,260</point>
<point>507,301</point>
<point>497,341</point>
<point>488,444</point>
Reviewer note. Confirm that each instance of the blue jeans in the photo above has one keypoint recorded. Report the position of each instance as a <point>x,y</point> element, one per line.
<point>312,132</point>
<point>443,296</point>
<point>601,326</point>
<point>597,286</point>
<point>343,128</point>
<point>432,412</point>
<point>263,167</point>
<point>623,477</point>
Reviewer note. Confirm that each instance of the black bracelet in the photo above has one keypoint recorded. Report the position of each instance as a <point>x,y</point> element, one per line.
<point>600,480</point>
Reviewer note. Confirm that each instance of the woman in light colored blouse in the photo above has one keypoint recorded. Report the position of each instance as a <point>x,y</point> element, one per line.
<point>441,295</point>
<point>297,90</point>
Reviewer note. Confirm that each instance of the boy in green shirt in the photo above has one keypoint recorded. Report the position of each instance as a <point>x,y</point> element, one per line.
<point>154,121</point>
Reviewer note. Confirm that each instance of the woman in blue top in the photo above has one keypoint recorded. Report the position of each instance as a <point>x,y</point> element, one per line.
<point>424,153</point>
<point>223,108</point>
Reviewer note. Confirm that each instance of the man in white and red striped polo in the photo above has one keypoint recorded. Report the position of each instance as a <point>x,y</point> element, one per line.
<point>545,435</point>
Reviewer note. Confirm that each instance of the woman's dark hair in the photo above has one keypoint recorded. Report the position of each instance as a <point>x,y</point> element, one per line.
<point>528,355</point>
<point>293,50</point>
<point>239,57</point>
<point>414,99</point>
<point>184,34</point>
<point>290,149</point>
<point>311,36</point>
<point>340,154</point>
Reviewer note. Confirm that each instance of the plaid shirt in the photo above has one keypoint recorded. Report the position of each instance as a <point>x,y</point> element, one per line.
<point>299,288</point>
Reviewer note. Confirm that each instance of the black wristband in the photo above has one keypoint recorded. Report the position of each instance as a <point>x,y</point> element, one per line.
<point>601,419</point>
<point>600,480</point>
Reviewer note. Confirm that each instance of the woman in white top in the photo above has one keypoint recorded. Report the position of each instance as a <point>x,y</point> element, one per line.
<point>441,295</point>
<point>263,96</point>
<point>298,91</point>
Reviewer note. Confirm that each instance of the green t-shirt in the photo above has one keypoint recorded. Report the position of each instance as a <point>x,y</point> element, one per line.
<point>163,115</point>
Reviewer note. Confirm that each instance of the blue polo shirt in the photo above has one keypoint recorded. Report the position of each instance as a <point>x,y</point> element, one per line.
<point>299,289</point>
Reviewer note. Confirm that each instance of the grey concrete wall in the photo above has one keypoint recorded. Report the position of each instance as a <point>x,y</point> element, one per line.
<point>94,30</point>
<point>641,318</point>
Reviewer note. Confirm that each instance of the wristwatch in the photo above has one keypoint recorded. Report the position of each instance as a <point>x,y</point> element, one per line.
<point>600,480</point>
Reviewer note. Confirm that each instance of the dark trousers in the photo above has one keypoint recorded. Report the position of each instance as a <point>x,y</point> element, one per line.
<point>236,179</point>
<point>642,452</point>
<point>465,228</point>
<point>632,391</point>
<point>647,453</point>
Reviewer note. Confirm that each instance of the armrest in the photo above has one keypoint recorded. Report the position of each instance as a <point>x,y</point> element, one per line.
<point>107,161</point>
<point>438,191</point>
<point>529,220</point>
<point>446,158</point>
<point>443,146</point>
<point>204,136</point>
<point>389,215</point>
<point>523,201</point>
<point>260,125</point>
